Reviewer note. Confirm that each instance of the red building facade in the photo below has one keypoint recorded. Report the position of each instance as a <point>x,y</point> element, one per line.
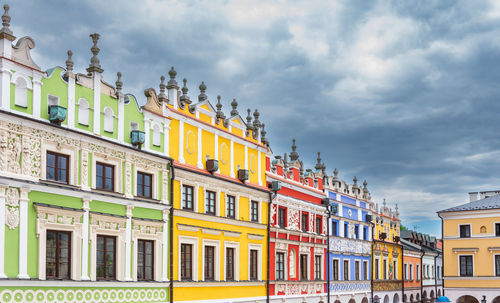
<point>298,235</point>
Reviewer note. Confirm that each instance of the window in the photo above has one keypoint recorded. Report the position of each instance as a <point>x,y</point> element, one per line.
<point>335,270</point>
<point>411,272</point>
<point>58,255</point>
<point>253,264</point>
<point>105,178</point>
<point>108,120</point>
<point>83,112</point>
<point>385,270</point>
<point>466,266</point>
<point>365,233</point>
<point>187,197</point>
<point>304,222</point>
<point>145,260</point>
<point>230,207</point>
<point>346,270</point>
<point>497,229</point>
<point>365,270</point>
<point>57,167</point>
<point>357,275</point>
<point>318,225</point>
<point>405,271</point>
<point>186,261</point>
<point>210,202</point>
<point>229,264</point>
<point>21,92</point>
<point>280,266</point>
<point>254,211</point>
<point>156,135</point>
<point>282,217</point>
<point>346,230</point>
<point>418,272</point>
<point>209,263</point>
<point>144,185</point>
<point>334,228</point>
<point>317,267</point>
<point>465,231</point>
<point>394,269</point>
<point>303,267</point>
<point>356,232</point>
<point>377,270</point>
<point>106,257</point>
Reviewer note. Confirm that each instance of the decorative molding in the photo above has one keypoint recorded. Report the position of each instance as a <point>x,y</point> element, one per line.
<point>12,207</point>
<point>255,237</point>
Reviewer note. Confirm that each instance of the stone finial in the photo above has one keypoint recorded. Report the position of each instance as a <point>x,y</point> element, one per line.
<point>294,155</point>
<point>184,98</point>
<point>355,180</point>
<point>335,173</point>
<point>219,114</point>
<point>263,133</point>
<point>69,62</point>
<point>6,32</point>
<point>95,65</point>
<point>365,184</point>
<point>172,83</point>
<point>256,122</point>
<point>234,105</point>
<point>249,119</point>
<point>202,97</point>
<point>162,97</point>
<point>119,83</point>
<point>318,162</point>
<point>285,161</point>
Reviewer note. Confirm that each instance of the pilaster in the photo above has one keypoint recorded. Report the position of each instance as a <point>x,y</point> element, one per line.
<point>121,118</point>
<point>166,138</point>
<point>85,239</point>
<point>3,188</point>
<point>147,130</point>
<point>97,102</point>
<point>128,243</point>
<point>199,147</point>
<point>37,95</point>
<point>231,174</point>
<point>164,276</point>
<point>5,75</point>
<point>181,142</point>
<point>23,234</point>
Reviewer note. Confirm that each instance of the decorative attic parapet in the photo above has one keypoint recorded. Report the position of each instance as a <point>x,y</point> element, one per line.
<point>334,183</point>
<point>384,210</point>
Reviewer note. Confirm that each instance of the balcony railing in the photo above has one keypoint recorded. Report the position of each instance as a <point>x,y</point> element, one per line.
<point>350,286</point>
<point>350,245</point>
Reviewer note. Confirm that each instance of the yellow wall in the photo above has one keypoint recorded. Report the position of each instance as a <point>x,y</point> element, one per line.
<point>392,228</point>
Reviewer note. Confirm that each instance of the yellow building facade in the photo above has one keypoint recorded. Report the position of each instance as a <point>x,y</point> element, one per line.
<point>387,255</point>
<point>471,251</point>
<point>220,198</point>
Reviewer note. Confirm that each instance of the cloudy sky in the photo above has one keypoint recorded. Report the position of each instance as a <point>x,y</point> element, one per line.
<point>404,94</point>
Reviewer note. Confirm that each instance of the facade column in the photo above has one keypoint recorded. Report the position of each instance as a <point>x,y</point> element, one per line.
<point>85,239</point>
<point>128,243</point>
<point>246,158</point>
<point>3,188</point>
<point>199,147</point>
<point>147,130</point>
<point>166,139</point>
<point>181,142</point>
<point>37,96</point>
<point>259,169</point>
<point>164,276</point>
<point>23,234</point>
<point>231,173</point>
<point>97,102</point>
<point>5,75</point>
<point>121,117</point>
<point>216,152</point>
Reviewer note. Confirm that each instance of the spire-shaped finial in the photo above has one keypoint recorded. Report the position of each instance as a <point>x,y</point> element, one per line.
<point>95,65</point>
<point>119,83</point>
<point>162,97</point>
<point>294,155</point>
<point>256,122</point>
<point>355,180</point>
<point>384,203</point>
<point>285,161</point>
<point>219,114</point>
<point>234,105</point>
<point>6,32</point>
<point>335,173</point>
<point>172,83</point>
<point>263,133</point>
<point>318,162</point>
<point>365,184</point>
<point>202,97</point>
<point>69,62</point>
<point>249,118</point>
<point>184,98</point>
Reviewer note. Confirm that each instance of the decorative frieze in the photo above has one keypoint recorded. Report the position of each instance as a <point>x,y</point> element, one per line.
<point>293,219</point>
<point>350,246</point>
<point>350,286</point>
<point>294,288</point>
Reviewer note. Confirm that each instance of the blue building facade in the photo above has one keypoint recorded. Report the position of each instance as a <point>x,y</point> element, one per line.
<point>350,240</point>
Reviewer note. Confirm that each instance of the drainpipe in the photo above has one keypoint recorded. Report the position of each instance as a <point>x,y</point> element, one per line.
<point>442,250</point>
<point>371,260</point>
<point>328,254</point>
<point>272,195</point>
<point>171,231</point>
<point>422,275</point>
<point>435,276</point>
<point>402,273</point>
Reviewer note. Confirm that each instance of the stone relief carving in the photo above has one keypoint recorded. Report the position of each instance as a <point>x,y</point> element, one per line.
<point>85,169</point>
<point>14,153</point>
<point>293,219</point>
<point>351,230</point>
<point>148,228</point>
<point>31,156</point>
<point>311,223</point>
<point>351,246</point>
<point>273,214</point>
<point>128,178</point>
<point>12,207</point>
<point>3,150</point>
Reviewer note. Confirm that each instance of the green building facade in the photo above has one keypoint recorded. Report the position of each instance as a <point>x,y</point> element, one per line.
<point>84,185</point>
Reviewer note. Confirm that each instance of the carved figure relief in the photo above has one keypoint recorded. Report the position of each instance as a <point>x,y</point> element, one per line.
<point>31,156</point>
<point>311,223</point>
<point>14,154</point>
<point>273,214</point>
<point>128,178</point>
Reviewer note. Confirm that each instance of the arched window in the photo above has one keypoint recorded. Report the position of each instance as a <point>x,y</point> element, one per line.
<point>108,120</point>
<point>21,92</point>
<point>83,112</point>
<point>292,263</point>
<point>156,135</point>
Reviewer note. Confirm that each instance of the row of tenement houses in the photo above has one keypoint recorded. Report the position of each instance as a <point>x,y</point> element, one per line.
<point>103,200</point>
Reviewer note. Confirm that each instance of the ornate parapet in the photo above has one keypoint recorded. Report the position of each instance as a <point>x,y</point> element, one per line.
<point>350,246</point>
<point>299,287</point>
<point>387,285</point>
<point>350,286</point>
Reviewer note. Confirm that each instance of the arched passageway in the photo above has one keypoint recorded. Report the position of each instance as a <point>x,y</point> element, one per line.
<point>496,300</point>
<point>376,299</point>
<point>352,301</point>
<point>411,298</point>
<point>432,295</point>
<point>365,300</point>
<point>396,298</point>
<point>405,298</point>
<point>467,299</point>
<point>386,299</point>
<point>439,293</point>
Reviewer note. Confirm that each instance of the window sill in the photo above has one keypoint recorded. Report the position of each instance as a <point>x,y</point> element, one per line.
<point>108,192</point>
<point>57,183</point>
<point>148,199</point>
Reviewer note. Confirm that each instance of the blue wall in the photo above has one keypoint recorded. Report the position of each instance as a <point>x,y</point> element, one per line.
<point>352,259</point>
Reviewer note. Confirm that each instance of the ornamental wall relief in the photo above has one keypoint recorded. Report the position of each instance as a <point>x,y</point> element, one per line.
<point>14,154</point>
<point>12,207</point>
<point>293,219</point>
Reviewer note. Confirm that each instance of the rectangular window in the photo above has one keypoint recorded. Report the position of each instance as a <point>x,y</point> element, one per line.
<point>318,225</point>
<point>210,202</point>
<point>58,255</point>
<point>304,222</point>
<point>105,176</point>
<point>334,228</point>
<point>317,267</point>
<point>282,217</point>
<point>418,272</point>
<point>209,263</point>
<point>280,266</point>
<point>145,260</point>
<point>365,270</point>
<point>57,167</point>
<point>186,261</point>
<point>144,185</point>
<point>254,211</point>
<point>405,271</point>
<point>253,264</point>
<point>356,232</point>
<point>230,207</point>
<point>411,272</point>
<point>356,271</point>
<point>465,231</point>
<point>385,270</point>
<point>187,197</point>
<point>346,230</point>
<point>335,270</point>
<point>497,229</point>
<point>106,258</point>
<point>229,264</point>
<point>466,266</point>
<point>377,269</point>
<point>394,270</point>
<point>303,267</point>
<point>365,233</point>
<point>346,270</point>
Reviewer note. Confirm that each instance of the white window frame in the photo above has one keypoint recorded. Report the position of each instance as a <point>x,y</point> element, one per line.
<point>217,199</point>
<point>377,260</point>
<point>116,162</point>
<point>405,270</point>
<point>236,264</point>
<point>367,273</point>
<point>109,120</point>
<point>259,202</point>
<point>194,262</point>
<point>28,85</point>
<point>292,256</point>
<point>236,203</point>
<point>154,182</point>
<point>216,244</point>
<point>68,150</point>
<point>196,189</point>
<point>157,130</point>
<point>340,272</point>
<point>348,269</point>
<point>418,272</point>
<point>322,273</point>
<point>357,263</point>
<point>470,229</point>
<point>157,238</point>
<point>395,268</point>
<point>386,269</point>
<point>83,109</point>
<point>257,247</point>
<point>411,271</point>
<point>473,264</point>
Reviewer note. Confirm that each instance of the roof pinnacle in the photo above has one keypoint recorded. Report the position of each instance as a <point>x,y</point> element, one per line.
<point>6,32</point>
<point>234,105</point>
<point>172,83</point>
<point>294,155</point>
<point>202,97</point>
<point>95,65</point>
<point>162,97</point>
<point>119,83</point>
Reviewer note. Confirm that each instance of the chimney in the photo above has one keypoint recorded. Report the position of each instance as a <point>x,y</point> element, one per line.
<point>473,196</point>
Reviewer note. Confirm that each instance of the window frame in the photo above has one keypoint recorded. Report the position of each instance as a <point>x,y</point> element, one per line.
<point>460,230</point>
<point>56,173</point>
<point>335,273</point>
<point>497,229</point>
<point>254,211</point>
<point>346,270</point>
<point>280,266</point>
<point>209,262</point>
<point>236,261</point>
<point>57,276</point>
<point>229,269</point>
<point>231,201</point>
<point>365,270</point>
<point>253,274</point>
<point>258,248</point>
<point>303,276</point>
<point>304,227</point>
<point>208,200</point>
<point>144,241</point>
<point>104,177</point>
<point>460,267</point>
<point>319,227</point>
<point>184,196</point>
<point>282,219</point>
<point>182,266</point>
<point>151,176</point>
<point>357,270</point>
<point>318,267</point>
<point>216,264</point>
<point>105,253</point>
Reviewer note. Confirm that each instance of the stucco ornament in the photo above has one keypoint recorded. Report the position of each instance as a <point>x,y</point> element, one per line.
<point>3,150</point>
<point>293,219</point>
<point>11,208</point>
<point>12,197</point>
<point>31,156</point>
<point>14,153</point>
